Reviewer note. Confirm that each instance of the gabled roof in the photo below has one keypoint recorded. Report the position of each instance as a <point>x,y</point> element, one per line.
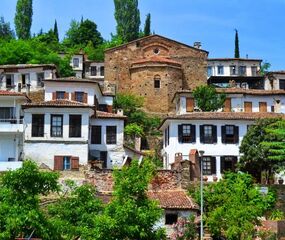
<point>59,103</point>
<point>235,59</point>
<point>152,36</point>
<point>101,114</point>
<point>278,72</point>
<point>173,199</point>
<point>21,66</point>
<point>10,93</point>
<point>223,116</point>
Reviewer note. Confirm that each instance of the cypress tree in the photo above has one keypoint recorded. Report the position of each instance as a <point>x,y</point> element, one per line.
<point>55,30</point>
<point>147,25</point>
<point>23,18</point>
<point>236,45</point>
<point>127,16</point>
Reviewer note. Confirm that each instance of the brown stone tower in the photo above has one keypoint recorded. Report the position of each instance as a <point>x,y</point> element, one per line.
<point>155,67</point>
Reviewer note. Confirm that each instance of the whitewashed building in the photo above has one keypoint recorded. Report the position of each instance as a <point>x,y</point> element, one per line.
<point>275,80</point>
<point>25,77</point>
<point>76,62</point>
<point>94,70</point>
<point>11,129</point>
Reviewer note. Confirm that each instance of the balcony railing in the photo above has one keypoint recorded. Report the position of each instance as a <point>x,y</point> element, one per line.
<point>12,121</point>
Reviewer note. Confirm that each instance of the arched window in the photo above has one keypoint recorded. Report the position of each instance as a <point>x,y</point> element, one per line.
<point>157,81</point>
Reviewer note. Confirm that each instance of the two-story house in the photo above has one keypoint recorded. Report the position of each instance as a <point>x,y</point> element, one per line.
<point>11,129</point>
<point>25,77</point>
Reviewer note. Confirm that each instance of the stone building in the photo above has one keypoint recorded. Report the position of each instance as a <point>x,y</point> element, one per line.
<point>155,67</point>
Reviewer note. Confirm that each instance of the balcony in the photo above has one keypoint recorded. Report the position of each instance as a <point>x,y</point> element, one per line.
<point>11,125</point>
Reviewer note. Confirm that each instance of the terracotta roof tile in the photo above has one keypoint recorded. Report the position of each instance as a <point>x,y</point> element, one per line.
<point>10,93</point>
<point>100,114</point>
<point>57,103</point>
<point>21,66</point>
<point>157,59</point>
<point>174,199</point>
<point>37,96</point>
<point>234,59</point>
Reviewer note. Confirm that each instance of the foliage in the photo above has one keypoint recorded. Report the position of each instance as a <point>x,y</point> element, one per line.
<point>20,212</point>
<point>185,229</point>
<point>234,205</point>
<point>255,155</point>
<point>23,18</point>
<point>55,30</point>
<point>274,142</point>
<point>75,213</point>
<point>277,215</point>
<point>147,30</point>
<point>80,33</point>
<point>133,130</point>
<point>236,45</point>
<point>6,32</point>
<point>208,99</point>
<point>264,68</point>
<point>127,16</point>
<point>133,212</point>
<point>128,102</point>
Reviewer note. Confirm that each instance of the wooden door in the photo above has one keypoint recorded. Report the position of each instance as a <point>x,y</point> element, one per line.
<point>262,107</point>
<point>189,104</point>
<point>248,106</point>
<point>228,105</point>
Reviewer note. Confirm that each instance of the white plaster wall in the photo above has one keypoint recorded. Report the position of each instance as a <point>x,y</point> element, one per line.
<point>88,70</point>
<point>116,152</point>
<point>44,152</point>
<point>7,147</point>
<point>80,67</point>
<point>217,149</point>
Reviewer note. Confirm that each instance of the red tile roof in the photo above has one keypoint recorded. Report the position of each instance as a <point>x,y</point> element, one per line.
<point>223,116</point>
<point>173,199</point>
<point>234,59</point>
<point>278,72</point>
<point>63,103</point>
<point>100,114</point>
<point>157,59</point>
<point>21,66</point>
<point>10,93</point>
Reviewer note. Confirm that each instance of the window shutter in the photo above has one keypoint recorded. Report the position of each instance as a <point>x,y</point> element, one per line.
<point>180,132</point>
<point>223,134</point>
<point>213,165</point>
<point>74,163</point>
<point>189,104</point>
<point>234,163</point>
<point>193,133</point>
<point>222,164</point>
<point>202,139</point>
<point>66,95</point>
<point>73,96</point>
<point>236,137</point>
<point>84,97</point>
<point>58,163</point>
<point>54,96</point>
<point>227,105</point>
<point>214,128</point>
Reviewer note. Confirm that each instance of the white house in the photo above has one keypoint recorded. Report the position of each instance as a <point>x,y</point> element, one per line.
<point>275,80</point>
<point>76,62</point>
<point>25,77</point>
<point>11,129</point>
<point>94,70</point>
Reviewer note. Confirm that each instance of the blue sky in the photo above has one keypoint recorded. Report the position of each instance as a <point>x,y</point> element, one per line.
<point>260,22</point>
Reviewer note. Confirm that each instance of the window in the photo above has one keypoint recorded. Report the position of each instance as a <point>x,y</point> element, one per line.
<point>156,51</point>
<point>40,79</point>
<point>9,80</point>
<point>228,163</point>
<point>233,70</point>
<point>166,136</point>
<point>209,71</point>
<point>66,163</point>
<point>74,125</point>
<point>102,70</point>
<point>186,133</point>
<point>56,125</point>
<point>242,70</point>
<point>253,71</point>
<point>157,81</point>
<point>230,134</point>
<point>93,71</point>
<point>208,134</point>
<point>96,135</point>
<point>25,79</point>
<point>76,62</point>
<point>282,84</point>
<point>209,165</point>
<point>79,96</point>
<point>38,121</point>
<point>221,70</point>
<point>111,134</point>
<point>6,113</point>
<point>171,218</point>
<point>60,95</point>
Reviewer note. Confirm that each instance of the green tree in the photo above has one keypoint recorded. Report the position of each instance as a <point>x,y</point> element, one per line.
<point>147,30</point>
<point>255,156</point>
<point>236,45</point>
<point>185,229</point>
<point>132,211</point>
<point>264,68</point>
<point>23,18</point>
<point>55,30</point>
<point>81,33</point>
<point>208,99</point>
<point>127,16</point>
<point>20,212</point>
<point>6,33</point>
<point>76,211</point>
<point>130,103</point>
<point>234,205</point>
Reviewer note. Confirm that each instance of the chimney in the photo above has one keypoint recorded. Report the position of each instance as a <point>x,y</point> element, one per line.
<point>137,143</point>
<point>120,112</point>
<point>28,89</point>
<point>197,45</point>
